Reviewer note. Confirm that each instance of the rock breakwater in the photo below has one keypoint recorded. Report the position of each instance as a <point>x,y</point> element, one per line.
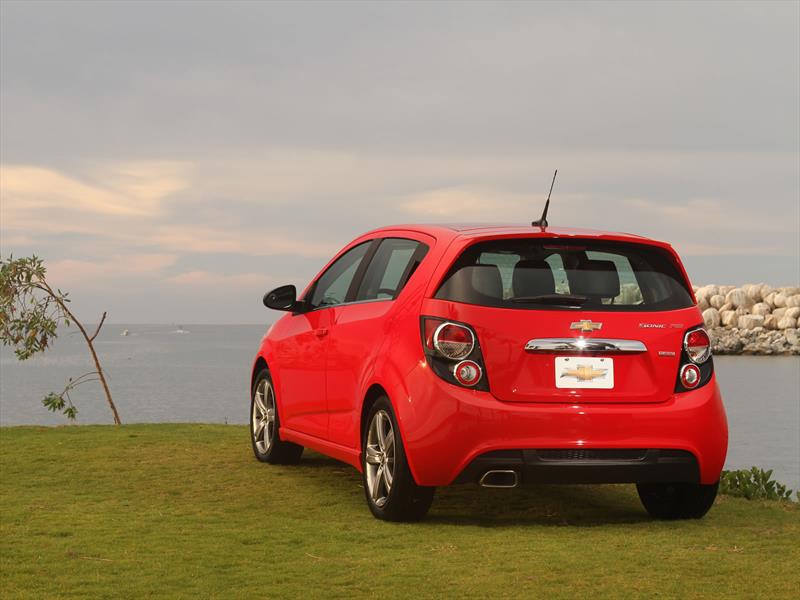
<point>751,319</point>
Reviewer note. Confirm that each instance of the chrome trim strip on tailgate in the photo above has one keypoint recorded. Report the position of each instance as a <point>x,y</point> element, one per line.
<point>584,345</point>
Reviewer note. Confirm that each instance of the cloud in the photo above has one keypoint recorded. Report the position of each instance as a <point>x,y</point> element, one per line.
<point>699,249</point>
<point>120,268</point>
<point>702,213</point>
<point>117,189</point>
<point>284,212</point>
<point>250,240</point>
<point>209,279</point>
<point>480,204</point>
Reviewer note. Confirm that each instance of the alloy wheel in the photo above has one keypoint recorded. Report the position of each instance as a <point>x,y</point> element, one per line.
<point>263,421</point>
<point>379,457</point>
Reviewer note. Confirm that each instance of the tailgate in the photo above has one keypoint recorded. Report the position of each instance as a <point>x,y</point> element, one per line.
<point>574,355</point>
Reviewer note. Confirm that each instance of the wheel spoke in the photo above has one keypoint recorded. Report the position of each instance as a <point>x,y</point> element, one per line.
<point>389,448</point>
<point>259,428</point>
<point>260,401</point>
<point>387,477</point>
<point>373,456</point>
<point>270,415</point>
<point>379,431</point>
<point>269,432</point>
<point>377,483</point>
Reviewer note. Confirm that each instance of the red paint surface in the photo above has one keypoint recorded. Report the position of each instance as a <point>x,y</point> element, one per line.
<point>325,362</point>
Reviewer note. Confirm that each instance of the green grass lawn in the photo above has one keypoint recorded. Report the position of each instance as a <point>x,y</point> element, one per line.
<point>168,511</point>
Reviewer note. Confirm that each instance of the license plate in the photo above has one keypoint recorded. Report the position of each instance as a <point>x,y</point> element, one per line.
<point>584,372</point>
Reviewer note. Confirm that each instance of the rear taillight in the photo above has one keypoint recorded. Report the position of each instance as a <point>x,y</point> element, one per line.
<point>453,341</point>
<point>697,345</point>
<point>696,366</point>
<point>453,352</point>
<point>690,376</point>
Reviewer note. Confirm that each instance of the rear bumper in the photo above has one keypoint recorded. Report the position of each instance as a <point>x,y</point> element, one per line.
<point>449,432</point>
<point>600,466</point>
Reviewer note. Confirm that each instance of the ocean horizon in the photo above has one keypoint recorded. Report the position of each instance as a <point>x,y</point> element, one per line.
<point>184,372</point>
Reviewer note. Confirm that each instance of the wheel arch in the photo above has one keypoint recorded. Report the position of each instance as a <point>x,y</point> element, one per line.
<point>258,365</point>
<point>375,391</point>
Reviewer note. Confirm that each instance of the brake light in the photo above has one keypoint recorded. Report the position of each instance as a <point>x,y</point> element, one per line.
<point>697,345</point>
<point>453,341</point>
<point>696,367</point>
<point>453,352</point>
<point>690,376</point>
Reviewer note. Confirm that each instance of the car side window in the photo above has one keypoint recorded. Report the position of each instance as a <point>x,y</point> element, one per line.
<point>391,266</point>
<point>332,286</point>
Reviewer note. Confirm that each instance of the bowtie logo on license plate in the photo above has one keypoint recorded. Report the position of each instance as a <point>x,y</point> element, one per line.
<point>584,373</point>
<point>586,326</point>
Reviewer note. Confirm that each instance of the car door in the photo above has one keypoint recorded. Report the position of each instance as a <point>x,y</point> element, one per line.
<point>359,327</point>
<point>302,349</point>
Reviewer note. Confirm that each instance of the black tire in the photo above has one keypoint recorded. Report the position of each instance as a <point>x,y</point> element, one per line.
<point>405,500</point>
<point>275,451</point>
<point>671,501</point>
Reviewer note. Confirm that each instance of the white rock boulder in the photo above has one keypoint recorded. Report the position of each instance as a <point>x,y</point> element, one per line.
<point>761,308</point>
<point>708,290</point>
<point>711,317</point>
<point>716,301</point>
<point>779,313</point>
<point>793,312</point>
<point>750,321</point>
<point>787,323</point>
<point>739,298</point>
<point>753,291</point>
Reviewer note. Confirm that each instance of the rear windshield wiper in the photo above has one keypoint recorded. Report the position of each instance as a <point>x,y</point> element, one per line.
<point>559,299</point>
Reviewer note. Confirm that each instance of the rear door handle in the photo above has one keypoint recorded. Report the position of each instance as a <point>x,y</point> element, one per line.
<point>321,332</point>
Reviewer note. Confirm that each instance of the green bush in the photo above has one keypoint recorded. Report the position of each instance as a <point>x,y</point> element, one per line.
<point>753,484</point>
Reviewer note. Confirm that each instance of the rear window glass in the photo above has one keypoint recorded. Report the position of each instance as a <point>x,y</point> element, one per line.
<point>565,274</point>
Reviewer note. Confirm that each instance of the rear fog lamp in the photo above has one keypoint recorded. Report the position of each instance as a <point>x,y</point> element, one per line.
<point>467,373</point>
<point>690,376</point>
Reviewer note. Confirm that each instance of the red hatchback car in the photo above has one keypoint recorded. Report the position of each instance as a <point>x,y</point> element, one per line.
<point>432,355</point>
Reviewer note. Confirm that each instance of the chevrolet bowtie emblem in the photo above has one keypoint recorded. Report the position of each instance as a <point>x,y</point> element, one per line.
<point>584,373</point>
<point>586,326</point>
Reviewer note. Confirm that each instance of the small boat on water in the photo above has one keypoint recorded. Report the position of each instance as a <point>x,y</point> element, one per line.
<point>181,329</point>
<point>125,332</point>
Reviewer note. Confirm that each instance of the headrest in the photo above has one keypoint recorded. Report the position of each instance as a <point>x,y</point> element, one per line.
<point>595,279</point>
<point>474,282</point>
<point>532,278</point>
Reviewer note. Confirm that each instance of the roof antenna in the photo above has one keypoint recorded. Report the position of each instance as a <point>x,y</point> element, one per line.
<point>542,222</point>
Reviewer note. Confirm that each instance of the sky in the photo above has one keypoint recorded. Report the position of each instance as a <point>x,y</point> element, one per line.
<point>173,161</point>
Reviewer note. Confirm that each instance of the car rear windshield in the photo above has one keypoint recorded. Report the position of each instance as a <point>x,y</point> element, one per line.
<point>536,273</point>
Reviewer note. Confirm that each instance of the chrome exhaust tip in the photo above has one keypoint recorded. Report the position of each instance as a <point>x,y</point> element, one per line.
<point>505,478</point>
